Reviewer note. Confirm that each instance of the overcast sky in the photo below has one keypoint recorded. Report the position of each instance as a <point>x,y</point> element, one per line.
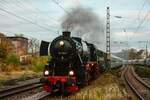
<point>41,19</point>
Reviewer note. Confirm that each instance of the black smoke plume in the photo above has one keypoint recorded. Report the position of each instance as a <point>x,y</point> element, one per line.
<point>86,24</point>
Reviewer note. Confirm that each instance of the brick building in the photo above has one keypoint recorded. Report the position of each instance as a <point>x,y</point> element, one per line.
<point>4,41</point>
<point>15,44</point>
<point>20,45</point>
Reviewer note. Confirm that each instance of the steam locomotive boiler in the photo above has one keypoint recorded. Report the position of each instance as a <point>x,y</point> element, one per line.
<point>74,63</point>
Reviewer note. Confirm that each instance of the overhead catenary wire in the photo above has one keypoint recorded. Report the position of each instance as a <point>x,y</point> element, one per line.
<point>27,19</point>
<point>140,19</point>
<point>8,5</point>
<point>4,4</point>
<point>37,10</point>
<point>24,19</point>
<point>22,5</point>
<point>144,18</point>
<point>139,13</point>
<point>57,3</point>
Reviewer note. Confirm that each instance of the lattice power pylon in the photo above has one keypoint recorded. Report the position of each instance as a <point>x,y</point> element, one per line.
<point>108,64</point>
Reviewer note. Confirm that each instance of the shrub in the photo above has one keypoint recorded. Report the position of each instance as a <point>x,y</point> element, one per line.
<point>12,59</point>
<point>38,63</point>
<point>11,63</point>
<point>3,52</point>
<point>143,71</point>
<point>38,67</point>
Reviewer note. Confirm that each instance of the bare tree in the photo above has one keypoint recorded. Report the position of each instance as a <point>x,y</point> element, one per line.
<point>33,46</point>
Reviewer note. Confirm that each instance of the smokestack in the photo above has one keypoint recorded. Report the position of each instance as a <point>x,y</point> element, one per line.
<point>66,33</point>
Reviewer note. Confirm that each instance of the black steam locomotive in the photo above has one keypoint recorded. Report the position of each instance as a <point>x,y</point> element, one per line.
<point>74,63</point>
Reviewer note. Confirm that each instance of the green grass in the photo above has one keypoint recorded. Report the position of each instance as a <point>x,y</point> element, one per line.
<point>106,87</point>
<point>116,72</point>
<point>143,71</point>
<point>11,69</point>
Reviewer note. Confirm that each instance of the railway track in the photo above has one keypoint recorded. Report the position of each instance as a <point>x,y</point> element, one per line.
<point>37,96</point>
<point>139,79</point>
<point>20,88</point>
<point>42,95</point>
<point>137,85</point>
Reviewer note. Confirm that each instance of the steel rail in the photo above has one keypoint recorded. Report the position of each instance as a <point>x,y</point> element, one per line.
<point>19,88</point>
<point>37,96</point>
<point>139,79</point>
<point>138,94</point>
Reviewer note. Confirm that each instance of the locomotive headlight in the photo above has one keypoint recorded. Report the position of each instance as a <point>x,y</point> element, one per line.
<point>61,43</point>
<point>71,73</point>
<point>46,72</point>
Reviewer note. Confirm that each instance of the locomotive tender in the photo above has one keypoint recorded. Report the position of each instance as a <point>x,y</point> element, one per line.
<point>74,63</point>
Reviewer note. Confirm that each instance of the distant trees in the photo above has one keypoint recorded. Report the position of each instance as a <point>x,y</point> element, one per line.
<point>131,54</point>
<point>19,35</point>
<point>135,54</point>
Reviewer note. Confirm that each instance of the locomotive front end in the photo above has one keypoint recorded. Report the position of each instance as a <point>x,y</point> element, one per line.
<point>62,48</point>
<point>59,74</point>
